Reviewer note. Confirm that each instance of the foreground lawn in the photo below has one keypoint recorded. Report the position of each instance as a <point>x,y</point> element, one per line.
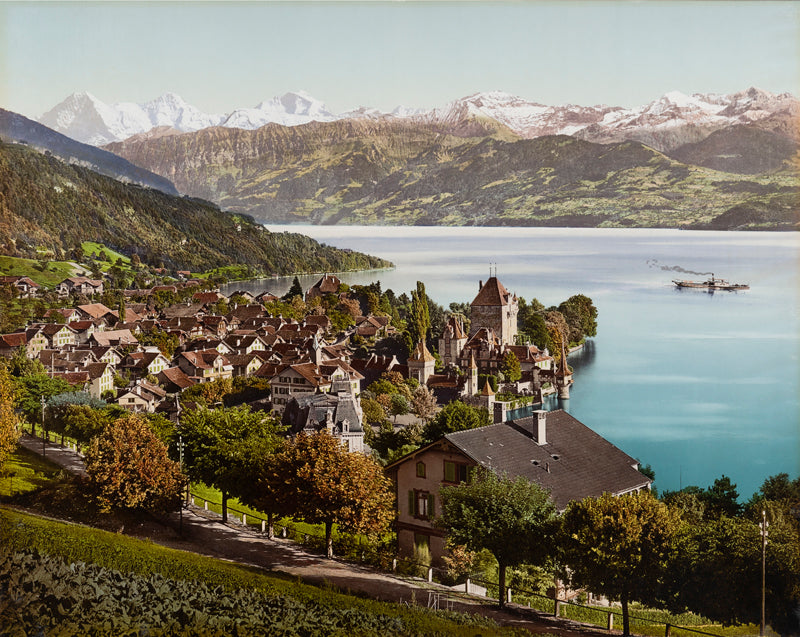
<point>216,589</point>
<point>25,471</point>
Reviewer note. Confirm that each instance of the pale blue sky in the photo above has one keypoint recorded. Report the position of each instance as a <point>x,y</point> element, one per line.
<point>219,56</point>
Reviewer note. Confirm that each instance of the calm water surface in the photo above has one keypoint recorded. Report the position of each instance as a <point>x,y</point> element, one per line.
<point>695,384</point>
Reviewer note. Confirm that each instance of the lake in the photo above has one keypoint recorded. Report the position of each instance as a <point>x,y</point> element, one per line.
<point>695,384</point>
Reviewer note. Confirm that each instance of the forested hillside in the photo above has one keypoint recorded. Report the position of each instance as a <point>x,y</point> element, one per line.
<point>47,205</point>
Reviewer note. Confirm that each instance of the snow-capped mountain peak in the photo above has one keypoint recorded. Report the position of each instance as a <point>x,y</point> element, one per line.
<point>86,118</point>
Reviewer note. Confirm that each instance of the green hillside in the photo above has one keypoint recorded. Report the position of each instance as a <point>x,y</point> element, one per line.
<point>46,204</point>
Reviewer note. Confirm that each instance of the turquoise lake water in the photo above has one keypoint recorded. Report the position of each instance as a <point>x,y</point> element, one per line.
<point>695,384</point>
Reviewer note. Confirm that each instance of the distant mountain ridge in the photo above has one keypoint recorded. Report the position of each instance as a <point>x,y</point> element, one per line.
<point>17,128</point>
<point>474,171</point>
<point>670,121</point>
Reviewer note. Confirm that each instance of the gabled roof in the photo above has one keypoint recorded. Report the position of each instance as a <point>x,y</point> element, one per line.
<point>177,377</point>
<point>575,463</point>
<point>492,293</point>
<point>114,337</point>
<point>17,339</point>
<point>310,412</point>
<point>95,310</point>
<point>328,284</point>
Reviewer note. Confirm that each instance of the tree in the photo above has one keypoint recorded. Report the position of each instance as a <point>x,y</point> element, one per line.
<point>398,405</point>
<point>513,519</point>
<point>455,416</point>
<point>618,546</point>
<point>128,468</point>
<point>83,422</point>
<point>727,551</point>
<point>295,290</point>
<point>329,485</point>
<point>581,316</point>
<point>419,320</point>
<point>58,405</point>
<point>8,419</point>
<point>722,498</point>
<point>423,403</point>
<point>218,441</point>
<point>511,368</point>
<point>32,387</point>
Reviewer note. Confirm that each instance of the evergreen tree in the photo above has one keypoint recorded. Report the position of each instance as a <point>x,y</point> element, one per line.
<point>295,290</point>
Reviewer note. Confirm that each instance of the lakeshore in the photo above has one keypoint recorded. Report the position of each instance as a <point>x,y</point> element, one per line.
<point>697,385</point>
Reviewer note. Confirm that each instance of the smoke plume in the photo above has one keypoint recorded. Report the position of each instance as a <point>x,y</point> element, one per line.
<point>653,263</point>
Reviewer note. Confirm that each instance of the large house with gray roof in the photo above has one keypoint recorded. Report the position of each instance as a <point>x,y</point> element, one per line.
<point>552,449</point>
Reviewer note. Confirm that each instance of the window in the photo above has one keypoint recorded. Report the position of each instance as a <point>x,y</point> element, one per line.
<point>455,472</point>
<point>420,469</point>
<point>421,504</point>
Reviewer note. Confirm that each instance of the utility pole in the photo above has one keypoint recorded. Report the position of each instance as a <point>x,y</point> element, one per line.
<point>763,525</point>
<point>44,431</point>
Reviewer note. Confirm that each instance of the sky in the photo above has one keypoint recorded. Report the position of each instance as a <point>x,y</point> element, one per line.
<point>220,56</point>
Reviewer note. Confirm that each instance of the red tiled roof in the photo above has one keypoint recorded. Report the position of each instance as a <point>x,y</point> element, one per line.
<point>492,293</point>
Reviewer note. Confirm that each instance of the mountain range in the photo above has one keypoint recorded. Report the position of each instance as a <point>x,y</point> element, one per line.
<point>700,161</point>
<point>20,129</point>
<point>664,124</point>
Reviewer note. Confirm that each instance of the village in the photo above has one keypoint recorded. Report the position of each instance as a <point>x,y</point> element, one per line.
<point>305,372</point>
<point>94,348</point>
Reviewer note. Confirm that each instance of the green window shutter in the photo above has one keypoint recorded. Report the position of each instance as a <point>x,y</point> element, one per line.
<point>411,510</point>
<point>431,507</point>
<point>449,471</point>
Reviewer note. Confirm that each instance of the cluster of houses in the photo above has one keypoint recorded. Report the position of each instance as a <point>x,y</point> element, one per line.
<point>315,383</point>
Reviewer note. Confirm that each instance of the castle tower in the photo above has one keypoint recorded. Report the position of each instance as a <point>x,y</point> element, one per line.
<point>496,308</point>
<point>452,341</point>
<point>421,363</point>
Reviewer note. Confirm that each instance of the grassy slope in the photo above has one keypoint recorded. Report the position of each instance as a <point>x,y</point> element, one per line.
<point>54,273</point>
<point>129,555</point>
<point>25,471</point>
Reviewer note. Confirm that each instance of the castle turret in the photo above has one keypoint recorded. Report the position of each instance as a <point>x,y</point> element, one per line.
<point>472,376</point>
<point>421,363</point>
<point>563,375</point>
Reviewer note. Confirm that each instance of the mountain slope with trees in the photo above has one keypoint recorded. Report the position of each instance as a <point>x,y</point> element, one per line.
<point>49,206</point>
<point>470,172</point>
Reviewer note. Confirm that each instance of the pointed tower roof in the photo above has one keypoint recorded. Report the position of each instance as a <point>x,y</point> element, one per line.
<point>563,368</point>
<point>472,364</point>
<point>492,293</point>
<point>421,354</point>
<point>487,389</point>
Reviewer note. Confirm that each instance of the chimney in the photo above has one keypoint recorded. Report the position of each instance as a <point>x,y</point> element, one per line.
<point>540,426</point>
<point>480,285</point>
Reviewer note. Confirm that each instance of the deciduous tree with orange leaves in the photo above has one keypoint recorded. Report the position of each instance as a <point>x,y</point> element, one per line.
<point>128,467</point>
<point>326,484</point>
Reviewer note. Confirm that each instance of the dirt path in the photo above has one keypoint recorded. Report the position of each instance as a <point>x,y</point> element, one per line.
<point>204,533</point>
